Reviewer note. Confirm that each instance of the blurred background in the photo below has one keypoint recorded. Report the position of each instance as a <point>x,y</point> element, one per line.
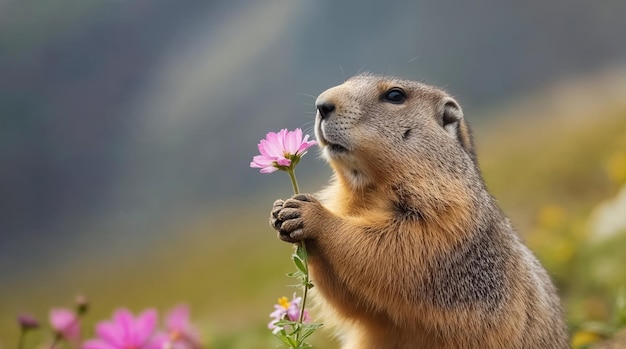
<point>127,128</point>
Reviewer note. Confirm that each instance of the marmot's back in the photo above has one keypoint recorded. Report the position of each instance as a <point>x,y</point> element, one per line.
<point>407,248</point>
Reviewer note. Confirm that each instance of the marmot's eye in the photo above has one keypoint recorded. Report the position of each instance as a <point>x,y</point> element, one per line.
<point>394,95</point>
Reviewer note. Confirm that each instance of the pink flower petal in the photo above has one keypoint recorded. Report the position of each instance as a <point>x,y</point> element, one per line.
<point>269,169</point>
<point>126,331</point>
<point>65,322</point>
<point>298,135</point>
<point>157,341</point>
<point>293,313</point>
<point>278,148</point>
<point>306,318</point>
<point>178,324</point>
<point>272,144</point>
<point>145,325</point>
<point>262,148</point>
<point>287,142</point>
<point>61,317</point>
<point>282,135</point>
<point>292,141</point>
<point>296,300</point>
<point>72,332</point>
<point>264,159</point>
<point>260,161</point>
<point>271,148</point>
<point>178,318</point>
<point>283,162</point>
<point>112,333</point>
<point>192,338</point>
<point>272,137</point>
<point>272,324</point>
<point>278,313</point>
<point>306,144</point>
<point>125,322</point>
<point>27,321</point>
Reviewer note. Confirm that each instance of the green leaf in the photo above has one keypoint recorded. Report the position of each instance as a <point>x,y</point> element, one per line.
<point>301,251</point>
<point>314,326</point>
<point>299,263</point>
<point>295,330</point>
<point>305,334</point>
<point>292,342</point>
<point>307,330</point>
<point>283,337</point>
<point>287,339</point>
<point>284,322</point>
<point>296,274</point>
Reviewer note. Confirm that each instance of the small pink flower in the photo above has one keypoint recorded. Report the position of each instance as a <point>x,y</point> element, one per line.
<point>286,310</point>
<point>27,322</point>
<point>125,331</point>
<point>281,150</point>
<point>182,334</point>
<point>65,323</point>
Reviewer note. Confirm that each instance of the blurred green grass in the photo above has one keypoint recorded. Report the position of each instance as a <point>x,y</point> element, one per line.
<point>549,169</point>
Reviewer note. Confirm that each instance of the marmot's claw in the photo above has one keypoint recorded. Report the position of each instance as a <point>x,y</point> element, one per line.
<point>288,213</point>
<point>291,224</point>
<point>304,197</point>
<point>296,200</point>
<point>274,221</point>
<point>293,238</point>
<point>278,205</point>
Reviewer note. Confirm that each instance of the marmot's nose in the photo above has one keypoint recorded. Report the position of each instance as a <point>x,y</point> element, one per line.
<point>325,108</point>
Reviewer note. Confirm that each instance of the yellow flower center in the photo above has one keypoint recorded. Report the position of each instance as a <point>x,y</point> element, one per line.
<point>175,335</point>
<point>283,302</point>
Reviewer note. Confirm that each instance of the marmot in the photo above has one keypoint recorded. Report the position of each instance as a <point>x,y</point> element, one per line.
<point>407,249</point>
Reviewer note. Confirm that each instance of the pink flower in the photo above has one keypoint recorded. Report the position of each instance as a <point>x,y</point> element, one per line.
<point>182,334</point>
<point>126,331</point>
<point>65,323</point>
<point>286,310</point>
<point>27,322</point>
<point>281,150</point>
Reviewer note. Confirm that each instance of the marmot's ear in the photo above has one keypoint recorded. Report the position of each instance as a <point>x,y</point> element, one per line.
<point>453,122</point>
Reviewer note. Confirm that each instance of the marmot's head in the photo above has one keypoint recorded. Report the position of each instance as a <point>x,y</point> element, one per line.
<point>374,128</point>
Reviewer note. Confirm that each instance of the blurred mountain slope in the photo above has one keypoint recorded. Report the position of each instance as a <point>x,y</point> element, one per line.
<point>569,131</point>
<point>123,116</point>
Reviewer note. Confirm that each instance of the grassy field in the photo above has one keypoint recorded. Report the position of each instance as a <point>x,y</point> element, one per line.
<point>549,164</point>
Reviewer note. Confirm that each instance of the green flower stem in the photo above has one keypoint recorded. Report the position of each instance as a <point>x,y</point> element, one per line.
<point>302,252</point>
<point>294,182</point>
<point>20,341</point>
<point>57,338</point>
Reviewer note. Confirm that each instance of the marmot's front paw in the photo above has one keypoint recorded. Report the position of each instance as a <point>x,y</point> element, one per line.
<point>287,218</point>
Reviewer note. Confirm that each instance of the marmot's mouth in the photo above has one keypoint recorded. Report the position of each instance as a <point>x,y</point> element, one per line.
<point>334,148</point>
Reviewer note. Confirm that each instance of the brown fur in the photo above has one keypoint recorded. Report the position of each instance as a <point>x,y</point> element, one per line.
<point>406,247</point>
